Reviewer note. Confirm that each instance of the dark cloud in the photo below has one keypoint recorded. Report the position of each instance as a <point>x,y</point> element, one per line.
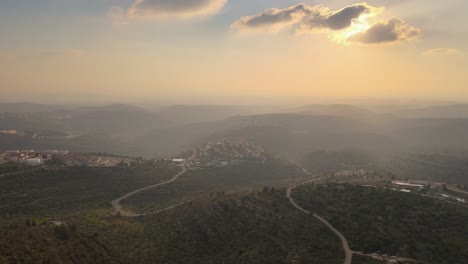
<point>350,24</point>
<point>305,17</point>
<point>394,30</point>
<point>276,16</point>
<point>343,18</point>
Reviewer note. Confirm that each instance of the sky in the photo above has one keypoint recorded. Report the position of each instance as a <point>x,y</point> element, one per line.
<point>128,50</point>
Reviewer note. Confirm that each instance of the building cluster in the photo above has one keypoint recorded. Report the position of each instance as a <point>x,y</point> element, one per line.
<point>76,159</point>
<point>9,132</point>
<point>407,187</point>
<point>30,157</point>
<point>228,152</point>
<point>352,172</point>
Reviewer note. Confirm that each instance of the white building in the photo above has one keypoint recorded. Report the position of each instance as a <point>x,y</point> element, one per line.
<point>400,183</point>
<point>34,161</point>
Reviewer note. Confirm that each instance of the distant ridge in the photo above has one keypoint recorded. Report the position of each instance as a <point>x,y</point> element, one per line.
<point>442,111</point>
<point>27,107</point>
<point>345,110</point>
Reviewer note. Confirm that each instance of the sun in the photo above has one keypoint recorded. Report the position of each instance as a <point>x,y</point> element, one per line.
<point>357,26</point>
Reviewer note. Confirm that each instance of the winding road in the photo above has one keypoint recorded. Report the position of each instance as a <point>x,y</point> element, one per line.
<point>344,241</point>
<point>349,253</point>
<point>118,207</point>
<point>116,203</point>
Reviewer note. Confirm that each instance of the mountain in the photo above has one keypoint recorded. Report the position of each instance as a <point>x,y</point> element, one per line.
<point>186,114</point>
<point>126,129</point>
<point>344,110</point>
<point>87,129</point>
<point>112,119</point>
<point>27,107</point>
<point>117,119</point>
<point>290,133</point>
<point>441,111</point>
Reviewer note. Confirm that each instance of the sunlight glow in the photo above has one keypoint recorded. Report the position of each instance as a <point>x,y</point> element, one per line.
<point>357,26</point>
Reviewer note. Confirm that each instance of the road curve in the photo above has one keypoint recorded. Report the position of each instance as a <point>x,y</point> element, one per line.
<point>118,208</point>
<point>347,249</point>
<point>455,189</point>
<point>116,203</point>
<point>344,241</point>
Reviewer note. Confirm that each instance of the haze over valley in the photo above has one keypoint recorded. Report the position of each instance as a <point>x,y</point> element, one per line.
<point>234,132</point>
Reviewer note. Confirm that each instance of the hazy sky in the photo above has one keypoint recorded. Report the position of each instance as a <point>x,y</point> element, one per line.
<point>153,49</point>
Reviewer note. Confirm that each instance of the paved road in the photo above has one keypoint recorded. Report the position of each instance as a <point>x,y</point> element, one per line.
<point>118,208</point>
<point>116,203</point>
<point>455,189</point>
<point>347,249</point>
<point>387,259</point>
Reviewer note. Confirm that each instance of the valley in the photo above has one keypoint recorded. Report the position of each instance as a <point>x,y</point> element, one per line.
<point>280,198</point>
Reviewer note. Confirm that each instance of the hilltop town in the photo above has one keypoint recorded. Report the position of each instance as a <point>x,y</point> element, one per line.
<point>228,152</point>
<point>64,158</point>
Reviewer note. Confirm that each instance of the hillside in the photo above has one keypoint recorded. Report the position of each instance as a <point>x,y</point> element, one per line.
<point>391,222</point>
<point>439,111</point>
<point>210,181</point>
<point>69,209</point>
<point>262,228</point>
<point>56,191</point>
<point>28,107</point>
<point>189,114</point>
<point>130,130</point>
<point>335,110</point>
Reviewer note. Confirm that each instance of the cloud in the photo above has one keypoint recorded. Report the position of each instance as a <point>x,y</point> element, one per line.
<point>304,17</point>
<point>347,25</point>
<point>341,19</point>
<point>157,9</point>
<point>274,18</point>
<point>440,51</point>
<point>391,31</point>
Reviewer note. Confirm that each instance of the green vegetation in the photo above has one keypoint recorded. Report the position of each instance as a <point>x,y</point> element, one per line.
<point>254,227</point>
<point>60,190</point>
<point>37,241</point>
<point>63,215</point>
<point>209,181</point>
<point>381,220</point>
<point>330,161</point>
<point>10,167</point>
<point>357,259</point>
<point>436,167</point>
